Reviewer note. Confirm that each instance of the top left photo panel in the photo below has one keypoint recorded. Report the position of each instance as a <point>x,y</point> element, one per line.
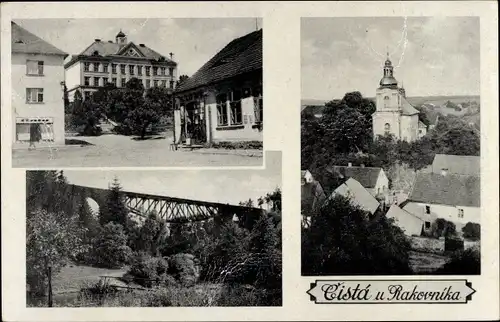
<point>137,92</point>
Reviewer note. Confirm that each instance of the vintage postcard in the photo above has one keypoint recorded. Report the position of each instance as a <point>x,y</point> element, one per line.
<point>136,92</point>
<point>139,184</point>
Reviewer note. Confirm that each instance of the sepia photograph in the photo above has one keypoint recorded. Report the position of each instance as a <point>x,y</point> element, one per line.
<point>108,238</point>
<point>390,146</point>
<point>137,92</point>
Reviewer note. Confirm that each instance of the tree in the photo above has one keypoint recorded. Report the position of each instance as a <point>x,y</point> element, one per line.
<point>472,231</point>
<point>87,114</point>
<point>157,103</point>
<point>52,239</point>
<point>115,209</point>
<point>110,247</point>
<point>152,234</point>
<point>343,240</point>
<point>462,262</point>
<point>67,105</point>
<point>181,80</point>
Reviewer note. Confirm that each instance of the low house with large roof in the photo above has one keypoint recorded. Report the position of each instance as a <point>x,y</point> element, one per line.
<point>372,179</point>
<point>223,100</point>
<point>358,195</point>
<point>37,89</point>
<point>453,197</point>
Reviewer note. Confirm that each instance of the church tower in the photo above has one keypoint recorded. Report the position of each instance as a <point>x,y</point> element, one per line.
<point>394,114</point>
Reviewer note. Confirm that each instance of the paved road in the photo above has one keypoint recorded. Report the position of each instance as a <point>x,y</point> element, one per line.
<point>121,151</point>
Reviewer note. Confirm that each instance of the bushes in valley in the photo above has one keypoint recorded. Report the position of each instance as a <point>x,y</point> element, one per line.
<point>184,268</point>
<point>462,262</point>
<point>150,271</point>
<point>110,249</point>
<point>472,231</point>
<point>343,240</point>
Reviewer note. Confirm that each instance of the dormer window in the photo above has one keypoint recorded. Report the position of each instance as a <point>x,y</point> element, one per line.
<point>95,53</point>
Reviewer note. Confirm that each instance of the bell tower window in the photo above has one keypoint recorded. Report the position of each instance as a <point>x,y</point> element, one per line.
<point>386,101</point>
<point>387,128</point>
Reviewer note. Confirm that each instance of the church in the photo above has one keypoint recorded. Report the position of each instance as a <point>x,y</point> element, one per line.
<point>394,114</point>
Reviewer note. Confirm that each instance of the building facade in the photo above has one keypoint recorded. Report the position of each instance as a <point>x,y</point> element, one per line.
<point>117,62</point>
<point>394,115</point>
<point>37,89</point>
<point>223,100</point>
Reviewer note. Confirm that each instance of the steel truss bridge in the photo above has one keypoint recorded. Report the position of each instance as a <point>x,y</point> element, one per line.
<point>170,209</point>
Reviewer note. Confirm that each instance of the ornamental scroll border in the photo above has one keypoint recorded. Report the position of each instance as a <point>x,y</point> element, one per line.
<point>312,285</point>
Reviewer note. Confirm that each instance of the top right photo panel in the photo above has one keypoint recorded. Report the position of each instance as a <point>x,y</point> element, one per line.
<point>390,146</point>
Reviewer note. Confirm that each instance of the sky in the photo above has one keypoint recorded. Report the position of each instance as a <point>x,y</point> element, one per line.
<point>192,40</point>
<point>224,186</point>
<point>432,56</point>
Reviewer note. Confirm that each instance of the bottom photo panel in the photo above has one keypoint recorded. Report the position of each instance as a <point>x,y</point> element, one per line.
<point>154,238</point>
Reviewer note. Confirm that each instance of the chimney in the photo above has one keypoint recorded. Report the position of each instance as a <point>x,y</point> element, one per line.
<point>444,172</point>
<point>171,56</point>
<point>142,45</point>
<point>97,40</point>
<point>349,164</point>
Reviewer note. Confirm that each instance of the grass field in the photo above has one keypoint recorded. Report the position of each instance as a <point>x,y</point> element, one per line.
<point>424,263</point>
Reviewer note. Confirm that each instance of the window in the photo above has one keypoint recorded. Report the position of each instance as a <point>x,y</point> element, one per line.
<point>386,101</point>
<point>148,83</point>
<point>86,95</point>
<point>124,81</point>
<point>162,71</point>
<point>105,68</point>
<point>122,69</point>
<point>34,67</point>
<point>155,70</point>
<point>460,213</point>
<point>34,95</point>
<point>86,67</point>
<point>171,71</point>
<point>131,69</point>
<point>427,224</point>
<point>96,81</point>
<point>236,107</point>
<point>172,84</point>
<point>113,80</point>
<point>428,209</point>
<point>87,81</point>
<point>113,68</point>
<point>387,128</point>
<point>222,110</point>
<point>139,70</point>
<point>155,83</point>
<point>96,67</point>
<point>148,70</point>
<point>163,83</point>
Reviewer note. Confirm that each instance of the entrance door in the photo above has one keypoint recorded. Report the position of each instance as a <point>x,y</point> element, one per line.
<point>195,123</point>
<point>35,132</point>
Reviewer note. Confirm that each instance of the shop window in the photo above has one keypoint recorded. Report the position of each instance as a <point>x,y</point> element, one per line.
<point>34,95</point>
<point>235,104</point>
<point>34,67</point>
<point>222,110</point>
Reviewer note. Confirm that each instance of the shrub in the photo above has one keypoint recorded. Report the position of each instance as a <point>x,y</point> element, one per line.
<point>462,262</point>
<point>110,247</point>
<point>472,231</point>
<point>442,228</point>
<point>236,145</point>
<point>184,268</point>
<point>150,271</point>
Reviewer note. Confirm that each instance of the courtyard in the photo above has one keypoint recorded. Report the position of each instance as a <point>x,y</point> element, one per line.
<point>124,151</point>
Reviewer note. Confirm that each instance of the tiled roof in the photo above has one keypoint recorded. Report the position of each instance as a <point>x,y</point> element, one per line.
<point>449,189</point>
<point>240,56</point>
<point>24,41</point>
<point>110,48</point>
<point>410,224</point>
<point>358,194</point>
<point>457,164</point>
<point>408,109</point>
<point>367,176</point>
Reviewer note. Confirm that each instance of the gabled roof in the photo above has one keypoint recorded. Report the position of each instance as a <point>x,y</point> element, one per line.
<point>407,108</point>
<point>358,194</point>
<point>421,124</point>
<point>240,56</point>
<point>24,41</point>
<point>457,164</point>
<point>410,224</point>
<point>367,176</point>
<point>449,189</point>
<point>104,48</point>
